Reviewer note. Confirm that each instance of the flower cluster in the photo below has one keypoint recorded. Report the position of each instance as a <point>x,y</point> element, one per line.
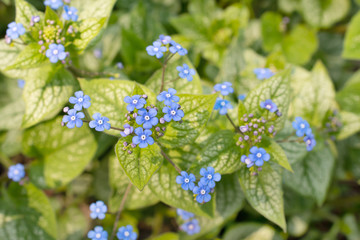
<point>205,185</point>
<point>162,45</point>
<point>191,225</point>
<point>16,172</point>
<point>221,104</point>
<point>302,128</point>
<point>263,73</point>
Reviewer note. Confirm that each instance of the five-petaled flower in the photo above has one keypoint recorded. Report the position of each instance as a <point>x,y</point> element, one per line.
<point>73,118</point>
<point>164,39</point>
<point>245,159</point>
<point>70,13</point>
<point>54,4</point>
<point>186,72</point>
<point>186,180</point>
<point>16,172</point>
<point>15,30</point>
<point>143,138</point>
<point>134,102</point>
<point>99,123</point>
<point>301,126</point>
<point>156,49</point>
<point>127,130</point>
<point>184,214</point>
<point>258,156</point>
<point>56,52</point>
<point>98,210</point>
<point>173,112</point>
<point>192,227</point>
<point>203,193</point>
<point>310,141</point>
<point>269,105</point>
<point>80,100</point>
<point>147,118</point>
<point>98,234</point>
<point>126,233</point>
<point>177,48</point>
<point>168,97</point>
<point>242,97</point>
<point>224,88</point>
<point>222,105</point>
<point>263,73</point>
<point>209,176</point>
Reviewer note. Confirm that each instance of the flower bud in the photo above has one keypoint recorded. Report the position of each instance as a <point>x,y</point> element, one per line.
<point>125,144</point>
<point>62,124</point>
<point>246,137</point>
<point>129,152</point>
<point>157,129</point>
<point>133,145</point>
<point>135,115</point>
<point>163,128</point>
<point>255,133</point>
<point>65,109</point>
<point>128,118</point>
<point>144,96</point>
<point>162,120</point>
<point>251,115</point>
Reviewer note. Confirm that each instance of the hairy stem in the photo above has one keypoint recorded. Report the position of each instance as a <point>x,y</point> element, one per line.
<point>170,161</point>
<point>82,73</point>
<point>232,123</point>
<point>163,77</point>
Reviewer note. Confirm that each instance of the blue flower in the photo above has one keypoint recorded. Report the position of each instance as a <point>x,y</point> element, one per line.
<point>156,49</point>
<point>224,88</point>
<point>126,233</point>
<point>168,97</point>
<point>98,210</point>
<point>73,118</point>
<point>98,234</point>
<point>173,112</point>
<point>56,52</point>
<point>80,100</point>
<point>134,102</point>
<point>222,105</point>
<point>186,72</point>
<point>258,156</point>
<point>147,118</point>
<point>21,83</point>
<point>143,138</point>
<point>97,53</point>
<point>54,4</point>
<point>15,30</point>
<point>186,180</point>
<point>301,126</point>
<point>70,13</point>
<point>242,97</point>
<point>245,159</point>
<point>184,214</point>
<point>310,141</point>
<point>16,172</point>
<point>164,39</point>
<point>209,176</point>
<point>203,193</point>
<point>192,227</point>
<point>269,105</point>
<point>263,73</point>
<point>177,48</point>
<point>120,65</point>
<point>99,123</point>
<point>127,130</point>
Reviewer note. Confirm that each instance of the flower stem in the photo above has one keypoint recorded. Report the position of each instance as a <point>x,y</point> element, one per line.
<point>232,123</point>
<point>122,204</point>
<point>163,77</point>
<point>170,161</point>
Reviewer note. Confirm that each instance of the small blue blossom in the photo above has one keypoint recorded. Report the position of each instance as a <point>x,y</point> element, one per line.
<point>73,118</point>
<point>258,156</point>
<point>156,49</point>
<point>184,214</point>
<point>310,141</point>
<point>98,210</point>
<point>147,118</point>
<point>54,4</point>
<point>21,83</point>
<point>134,102</point>
<point>263,73</point>
<point>245,159</point>
<point>80,100</point>
<point>127,130</point>
<point>143,138</point>
<point>70,13</point>
<point>16,172</point>
<point>15,30</point>
<point>242,97</point>
<point>203,193</point>
<point>164,39</point>
<point>168,97</point>
<point>301,126</point>
<point>126,233</point>
<point>209,176</point>
<point>192,227</point>
<point>224,88</point>
<point>177,48</point>
<point>173,112</point>
<point>269,105</point>
<point>186,180</point>
<point>222,105</point>
<point>99,123</point>
<point>186,72</point>
<point>34,19</point>
<point>98,234</point>
<point>56,52</point>
<point>120,65</point>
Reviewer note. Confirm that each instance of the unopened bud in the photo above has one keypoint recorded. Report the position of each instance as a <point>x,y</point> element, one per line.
<point>62,124</point>
<point>129,152</point>
<point>133,145</point>
<point>163,128</point>
<point>128,118</point>
<point>135,115</point>
<point>157,129</point>
<point>162,120</point>
<point>125,144</point>
<point>259,169</point>
<point>65,109</point>
<point>144,96</point>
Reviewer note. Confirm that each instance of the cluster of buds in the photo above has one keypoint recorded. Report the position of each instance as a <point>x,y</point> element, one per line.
<point>128,147</point>
<point>332,123</point>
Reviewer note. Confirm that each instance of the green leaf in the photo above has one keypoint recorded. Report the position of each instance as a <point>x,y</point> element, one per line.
<point>163,185</point>
<point>351,43</point>
<point>197,109</point>
<point>264,192</point>
<point>51,15</point>
<point>26,213</point>
<point>350,125</point>
<point>30,57</point>
<point>93,8</point>
<point>271,30</point>
<point>277,154</point>
<point>167,236</point>
<point>289,6</point>
<point>276,88</point>
<point>141,164</point>
<point>251,231</point>
<point>241,111</point>
<point>107,98</point>
<point>312,174</point>
<point>320,13</point>
<point>350,94</point>
<point>46,91</point>
<point>8,55</point>
<point>89,29</point>
<point>72,224</point>
<point>62,153</point>
<point>182,85</point>
<point>24,12</point>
